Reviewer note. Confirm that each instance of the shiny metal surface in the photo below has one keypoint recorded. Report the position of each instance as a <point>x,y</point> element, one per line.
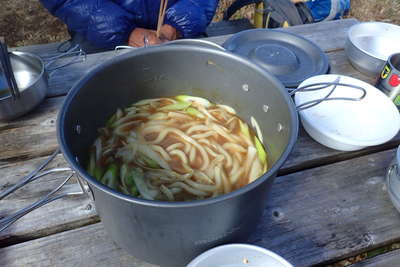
<point>173,233</point>
<point>196,42</point>
<point>31,78</point>
<point>239,255</point>
<point>369,45</point>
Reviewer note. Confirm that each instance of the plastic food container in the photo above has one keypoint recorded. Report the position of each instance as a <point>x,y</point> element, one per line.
<point>348,125</point>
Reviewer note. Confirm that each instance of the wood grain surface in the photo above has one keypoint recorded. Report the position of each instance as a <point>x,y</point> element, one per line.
<point>315,216</point>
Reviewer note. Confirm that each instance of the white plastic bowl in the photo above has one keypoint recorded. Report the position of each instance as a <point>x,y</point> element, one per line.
<point>348,125</point>
<point>239,255</point>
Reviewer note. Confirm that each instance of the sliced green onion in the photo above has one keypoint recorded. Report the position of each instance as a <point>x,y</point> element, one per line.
<point>196,99</point>
<point>244,129</point>
<point>111,120</point>
<point>177,106</point>
<point>92,164</point>
<point>260,150</point>
<point>98,173</point>
<point>134,191</point>
<point>194,112</point>
<point>110,176</point>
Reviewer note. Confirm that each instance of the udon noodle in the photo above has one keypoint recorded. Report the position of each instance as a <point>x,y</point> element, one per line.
<point>176,149</point>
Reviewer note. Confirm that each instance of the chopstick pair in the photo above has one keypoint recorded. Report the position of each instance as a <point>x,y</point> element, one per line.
<point>161,15</point>
<point>8,71</point>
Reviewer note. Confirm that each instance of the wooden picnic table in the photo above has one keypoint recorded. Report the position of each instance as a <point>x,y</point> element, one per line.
<point>325,205</point>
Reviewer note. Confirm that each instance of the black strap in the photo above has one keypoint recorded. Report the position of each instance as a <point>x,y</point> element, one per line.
<point>286,9</point>
<point>305,13</point>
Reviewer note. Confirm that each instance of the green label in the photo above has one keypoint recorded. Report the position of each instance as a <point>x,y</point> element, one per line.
<point>397,100</point>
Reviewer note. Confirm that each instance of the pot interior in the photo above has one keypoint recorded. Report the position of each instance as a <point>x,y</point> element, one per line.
<point>173,70</point>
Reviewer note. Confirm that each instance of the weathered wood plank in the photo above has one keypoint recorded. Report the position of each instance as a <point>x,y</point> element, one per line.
<point>88,246</point>
<point>389,259</point>
<point>31,135</point>
<point>66,213</point>
<point>313,217</point>
<point>329,36</point>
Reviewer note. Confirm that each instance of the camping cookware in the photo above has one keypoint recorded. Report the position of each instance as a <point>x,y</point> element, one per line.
<point>369,44</point>
<point>389,79</point>
<point>172,233</point>
<point>342,124</point>
<point>393,180</point>
<point>239,255</point>
<point>31,77</point>
<point>290,57</point>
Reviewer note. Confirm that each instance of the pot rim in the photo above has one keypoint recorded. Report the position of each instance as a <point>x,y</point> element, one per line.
<point>40,76</point>
<point>70,158</point>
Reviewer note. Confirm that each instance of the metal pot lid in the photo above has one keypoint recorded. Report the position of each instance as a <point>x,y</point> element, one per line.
<point>291,58</point>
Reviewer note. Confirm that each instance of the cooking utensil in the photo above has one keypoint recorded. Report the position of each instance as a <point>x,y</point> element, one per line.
<point>369,45</point>
<point>393,180</point>
<point>239,255</point>
<point>172,233</point>
<point>8,70</point>
<point>31,75</point>
<point>154,230</point>
<point>389,79</point>
<point>291,58</point>
<point>348,125</point>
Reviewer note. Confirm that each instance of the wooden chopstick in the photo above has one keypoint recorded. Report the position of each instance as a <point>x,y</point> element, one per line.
<point>8,71</point>
<point>161,16</point>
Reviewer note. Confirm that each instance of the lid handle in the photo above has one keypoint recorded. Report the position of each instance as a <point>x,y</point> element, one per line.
<point>324,85</point>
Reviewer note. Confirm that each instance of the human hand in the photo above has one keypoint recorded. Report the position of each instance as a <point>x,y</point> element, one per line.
<point>168,33</point>
<point>138,35</point>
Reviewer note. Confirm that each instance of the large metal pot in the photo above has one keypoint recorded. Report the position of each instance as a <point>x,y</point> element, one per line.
<point>172,233</point>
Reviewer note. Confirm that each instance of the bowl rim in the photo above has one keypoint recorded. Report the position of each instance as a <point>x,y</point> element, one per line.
<point>350,36</point>
<point>219,251</point>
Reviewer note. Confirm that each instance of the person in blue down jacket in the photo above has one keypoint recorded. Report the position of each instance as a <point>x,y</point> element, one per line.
<point>104,24</point>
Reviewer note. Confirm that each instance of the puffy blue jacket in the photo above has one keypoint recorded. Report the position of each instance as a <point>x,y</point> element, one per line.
<point>107,23</point>
<point>328,9</point>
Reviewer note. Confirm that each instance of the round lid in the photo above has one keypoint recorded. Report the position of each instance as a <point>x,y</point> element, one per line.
<point>370,121</point>
<point>291,58</point>
<point>238,255</point>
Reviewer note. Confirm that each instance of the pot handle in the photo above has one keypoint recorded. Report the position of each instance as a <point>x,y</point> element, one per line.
<point>49,197</point>
<point>324,85</point>
<point>8,220</point>
<point>78,55</point>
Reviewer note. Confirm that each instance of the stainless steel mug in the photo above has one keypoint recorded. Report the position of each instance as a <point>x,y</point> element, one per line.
<point>389,79</point>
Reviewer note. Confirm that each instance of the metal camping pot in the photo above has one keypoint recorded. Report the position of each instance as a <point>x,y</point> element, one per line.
<point>31,77</point>
<point>173,233</point>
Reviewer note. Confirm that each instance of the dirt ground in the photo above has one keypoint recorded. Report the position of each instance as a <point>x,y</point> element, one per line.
<point>25,22</point>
